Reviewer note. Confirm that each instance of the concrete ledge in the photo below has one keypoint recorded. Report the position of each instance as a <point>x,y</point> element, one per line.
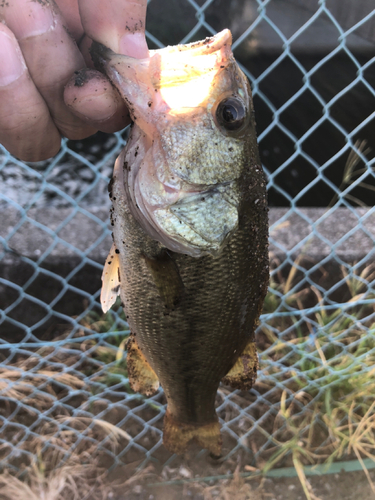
<point>348,234</point>
<point>62,274</point>
<point>56,231</point>
<point>311,230</point>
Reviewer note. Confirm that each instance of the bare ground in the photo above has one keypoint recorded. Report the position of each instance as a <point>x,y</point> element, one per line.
<point>342,486</point>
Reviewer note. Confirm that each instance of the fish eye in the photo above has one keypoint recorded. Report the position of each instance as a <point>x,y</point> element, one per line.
<point>231,113</point>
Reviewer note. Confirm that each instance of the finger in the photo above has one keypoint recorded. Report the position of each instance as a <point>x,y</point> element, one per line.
<point>26,127</point>
<point>92,97</point>
<point>118,24</point>
<point>70,12</point>
<point>84,47</point>
<point>51,56</point>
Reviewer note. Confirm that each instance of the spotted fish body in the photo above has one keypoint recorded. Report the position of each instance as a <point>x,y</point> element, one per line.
<point>190,230</point>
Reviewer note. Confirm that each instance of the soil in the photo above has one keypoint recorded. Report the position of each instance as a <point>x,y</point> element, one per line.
<point>342,486</point>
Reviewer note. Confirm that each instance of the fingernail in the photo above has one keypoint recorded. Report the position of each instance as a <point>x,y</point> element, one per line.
<point>97,107</point>
<point>134,45</point>
<point>11,61</point>
<point>32,20</point>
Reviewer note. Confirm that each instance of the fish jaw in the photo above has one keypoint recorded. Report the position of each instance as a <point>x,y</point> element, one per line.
<point>186,160</point>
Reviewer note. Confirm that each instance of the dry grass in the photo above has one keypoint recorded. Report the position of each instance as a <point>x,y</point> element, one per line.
<point>59,459</point>
<point>351,172</point>
<point>74,482</point>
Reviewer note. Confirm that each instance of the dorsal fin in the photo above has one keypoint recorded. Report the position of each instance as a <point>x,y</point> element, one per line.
<point>111,280</point>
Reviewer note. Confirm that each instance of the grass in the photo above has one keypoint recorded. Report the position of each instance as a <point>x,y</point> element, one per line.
<point>326,409</point>
<point>82,476</point>
<point>352,172</point>
<point>113,353</point>
<point>70,482</point>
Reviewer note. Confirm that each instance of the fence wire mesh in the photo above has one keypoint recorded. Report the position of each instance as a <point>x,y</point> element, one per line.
<point>63,376</point>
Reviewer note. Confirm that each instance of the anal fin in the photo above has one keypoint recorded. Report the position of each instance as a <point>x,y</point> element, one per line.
<point>142,377</point>
<point>244,372</point>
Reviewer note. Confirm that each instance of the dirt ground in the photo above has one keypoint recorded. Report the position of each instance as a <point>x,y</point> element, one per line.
<point>342,486</point>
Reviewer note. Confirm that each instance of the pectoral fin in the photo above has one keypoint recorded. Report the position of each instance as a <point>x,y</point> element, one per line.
<point>167,279</point>
<point>111,280</point>
<point>243,374</point>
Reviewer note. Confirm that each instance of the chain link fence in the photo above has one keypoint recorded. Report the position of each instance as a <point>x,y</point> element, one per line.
<point>63,378</point>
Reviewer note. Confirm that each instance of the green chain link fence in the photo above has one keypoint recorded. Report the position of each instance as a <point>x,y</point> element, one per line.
<point>63,371</point>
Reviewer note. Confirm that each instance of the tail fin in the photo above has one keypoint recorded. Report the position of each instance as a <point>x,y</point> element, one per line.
<point>178,436</point>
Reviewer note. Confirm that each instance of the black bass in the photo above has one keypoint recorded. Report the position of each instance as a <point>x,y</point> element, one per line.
<point>190,230</point>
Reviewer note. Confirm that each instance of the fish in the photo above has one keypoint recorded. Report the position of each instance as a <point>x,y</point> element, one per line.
<point>190,230</point>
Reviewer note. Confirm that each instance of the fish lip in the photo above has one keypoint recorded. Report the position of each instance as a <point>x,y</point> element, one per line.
<point>206,46</point>
<point>104,57</point>
<point>100,53</point>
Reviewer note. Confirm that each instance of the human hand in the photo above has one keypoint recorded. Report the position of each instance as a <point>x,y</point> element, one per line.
<point>42,44</point>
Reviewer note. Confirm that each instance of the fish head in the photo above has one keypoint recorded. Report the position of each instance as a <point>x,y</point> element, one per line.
<point>193,124</point>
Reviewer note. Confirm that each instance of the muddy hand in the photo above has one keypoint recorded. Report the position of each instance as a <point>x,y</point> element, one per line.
<point>38,55</point>
<point>120,25</point>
